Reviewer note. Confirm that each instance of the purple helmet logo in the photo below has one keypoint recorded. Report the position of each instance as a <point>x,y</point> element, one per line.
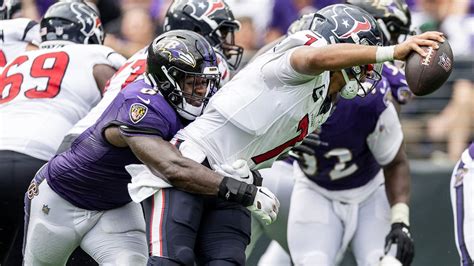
<point>177,51</point>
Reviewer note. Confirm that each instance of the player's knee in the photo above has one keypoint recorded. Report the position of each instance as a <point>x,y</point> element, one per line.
<point>314,258</point>
<point>49,245</point>
<point>159,261</point>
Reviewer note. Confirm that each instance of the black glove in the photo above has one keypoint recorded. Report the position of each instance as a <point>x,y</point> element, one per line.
<point>400,235</point>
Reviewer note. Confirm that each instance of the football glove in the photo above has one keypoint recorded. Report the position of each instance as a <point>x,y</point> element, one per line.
<point>239,170</point>
<point>265,206</point>
<point>400,235</point>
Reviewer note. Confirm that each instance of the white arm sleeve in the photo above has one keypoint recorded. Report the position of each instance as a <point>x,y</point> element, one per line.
<point>384,142</point>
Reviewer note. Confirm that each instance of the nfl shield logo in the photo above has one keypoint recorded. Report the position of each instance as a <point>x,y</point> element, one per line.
<point>137,112</point>
<point>445,62</point>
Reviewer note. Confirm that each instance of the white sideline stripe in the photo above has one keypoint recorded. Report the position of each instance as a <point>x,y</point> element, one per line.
<point>157,215</point>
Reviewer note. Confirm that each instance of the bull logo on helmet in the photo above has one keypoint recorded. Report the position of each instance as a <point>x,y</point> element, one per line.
<point>176,51</point>
<point>89,20</point>
<point>201,8</point>
<point>348,25</point>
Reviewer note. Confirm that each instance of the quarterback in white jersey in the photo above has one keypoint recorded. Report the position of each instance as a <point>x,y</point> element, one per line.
<point>43,94</point>
<point>299,78</point>
<point>335,169</point>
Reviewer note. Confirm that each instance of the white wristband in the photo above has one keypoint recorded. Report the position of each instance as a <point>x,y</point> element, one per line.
<point>400,213</point>
<point>384,53</point>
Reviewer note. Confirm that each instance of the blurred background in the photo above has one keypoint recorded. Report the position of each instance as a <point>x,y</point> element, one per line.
<point>437,127</point>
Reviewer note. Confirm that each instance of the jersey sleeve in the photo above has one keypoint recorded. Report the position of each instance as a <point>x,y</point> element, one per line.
<point>137,118</point>
<point>280,71</point>
<point>31,33</point>
<point>107,56</point>
<point>384,142</point>
<point>398,84</point>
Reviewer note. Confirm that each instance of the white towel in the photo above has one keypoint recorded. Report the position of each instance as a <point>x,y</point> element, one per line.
<point>144,182</point>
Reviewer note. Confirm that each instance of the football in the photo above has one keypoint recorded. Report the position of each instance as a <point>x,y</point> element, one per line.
<point>426,74</point>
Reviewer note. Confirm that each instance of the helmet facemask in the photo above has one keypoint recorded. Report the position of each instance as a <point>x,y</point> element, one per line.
<point>364,78</point>
<point>226,42</point>
<point>190,92</point>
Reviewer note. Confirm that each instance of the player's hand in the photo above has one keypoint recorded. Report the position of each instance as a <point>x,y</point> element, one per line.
<point>400,235</point>
<point>413,43</point>
<point>265,206</point>
<point>239,170</point>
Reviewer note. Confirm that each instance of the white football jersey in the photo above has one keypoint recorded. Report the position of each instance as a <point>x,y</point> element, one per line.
<point>133,69</point>
<point>45,92</point>
<point>15,34</point>
<point>266,109</point>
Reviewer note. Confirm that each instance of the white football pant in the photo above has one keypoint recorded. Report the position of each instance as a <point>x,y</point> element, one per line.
<point>320,229</point>
<point>56,228</point>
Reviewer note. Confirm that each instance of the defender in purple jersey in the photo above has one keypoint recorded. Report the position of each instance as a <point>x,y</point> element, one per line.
<point>80,197</point>
<point>462,189</point>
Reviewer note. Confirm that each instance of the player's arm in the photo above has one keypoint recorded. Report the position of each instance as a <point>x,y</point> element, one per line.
<point>166,161</point>
<point>397,179</point>
<point>178,170</point>
<point>315,60</point>
<point>102,73</point>
<point>386,144</point>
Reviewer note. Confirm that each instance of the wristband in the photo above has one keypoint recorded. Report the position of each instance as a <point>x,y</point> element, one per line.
<point>236,191</point>
<point>384,53</point>
<point>400,213</point>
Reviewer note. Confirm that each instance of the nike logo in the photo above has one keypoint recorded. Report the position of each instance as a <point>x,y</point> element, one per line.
<point>147,101</point>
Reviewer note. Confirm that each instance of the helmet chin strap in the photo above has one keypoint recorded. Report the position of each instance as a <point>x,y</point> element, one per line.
<point>350,90</point>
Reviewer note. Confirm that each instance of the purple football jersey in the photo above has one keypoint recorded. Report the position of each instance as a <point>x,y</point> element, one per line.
<point>343,158</point>
<point>91,174</point>
<point>398,83</point>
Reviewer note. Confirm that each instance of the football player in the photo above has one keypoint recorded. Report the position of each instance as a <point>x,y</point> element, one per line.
<point>328,152</point>
<point>78,197</point>
<point>461,199</point>
<point>267,108</point>
<point>217,26</point>
<point>43,93</point>
<point>16,34</point>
